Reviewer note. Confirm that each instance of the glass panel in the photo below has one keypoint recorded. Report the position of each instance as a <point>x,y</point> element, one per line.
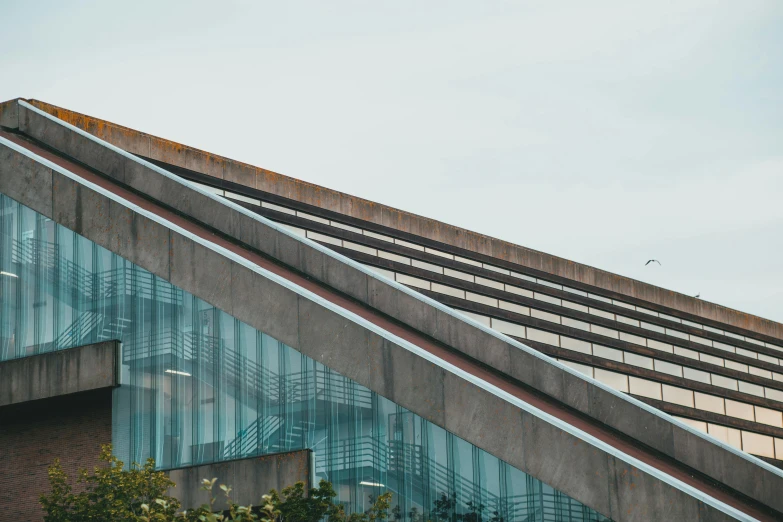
<point>199,386</point>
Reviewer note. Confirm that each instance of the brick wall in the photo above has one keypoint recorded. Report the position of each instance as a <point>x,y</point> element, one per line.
<point>33,434</point>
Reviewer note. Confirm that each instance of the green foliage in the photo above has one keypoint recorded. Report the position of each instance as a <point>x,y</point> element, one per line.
<point>293,505</point>
<point>379,510</point>
<point>109,493</point>
<point>414,514</point>
<point>235,513</point>
<point>445,510</point>
<point>138,494</point>
<point>290,505</point>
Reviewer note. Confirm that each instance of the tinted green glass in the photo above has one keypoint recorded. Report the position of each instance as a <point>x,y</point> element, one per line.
<point>199,386</point>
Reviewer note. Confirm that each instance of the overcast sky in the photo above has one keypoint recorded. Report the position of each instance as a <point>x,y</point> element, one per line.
<point>608,132</point>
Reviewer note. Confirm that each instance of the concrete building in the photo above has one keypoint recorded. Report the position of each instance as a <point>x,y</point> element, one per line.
<point>225,319</point>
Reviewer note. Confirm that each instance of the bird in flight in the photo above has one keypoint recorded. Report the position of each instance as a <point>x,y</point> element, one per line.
<point>652,261</point>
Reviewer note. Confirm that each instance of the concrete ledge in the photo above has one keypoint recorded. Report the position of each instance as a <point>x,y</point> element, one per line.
<point>75,370</point>
<point>249,478</point>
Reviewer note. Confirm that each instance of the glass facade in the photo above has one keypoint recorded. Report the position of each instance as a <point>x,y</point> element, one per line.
<point>199,386</point>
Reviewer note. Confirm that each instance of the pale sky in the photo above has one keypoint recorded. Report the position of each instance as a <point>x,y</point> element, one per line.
<point>606,132</point>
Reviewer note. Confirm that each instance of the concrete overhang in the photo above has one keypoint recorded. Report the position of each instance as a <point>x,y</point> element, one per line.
<point>55,374</point>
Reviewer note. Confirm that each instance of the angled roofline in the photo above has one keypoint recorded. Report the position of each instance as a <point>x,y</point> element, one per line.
<point>412,293</point>
<point>219,167</point>
<point>429,302</point>
<point>368,325</point>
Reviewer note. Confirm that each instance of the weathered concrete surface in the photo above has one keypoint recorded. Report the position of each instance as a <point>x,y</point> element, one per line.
<point>9,114</point>
<point>272,182</point>
<point>64,372</point>
<point>296,331</point>
<point>23,178</point>
<point>371,360</point>
<point>212,278</point>
<point>249,478</point>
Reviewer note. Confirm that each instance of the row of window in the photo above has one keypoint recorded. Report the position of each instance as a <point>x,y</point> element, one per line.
<point>682,396</point>
<point>462,275</point>
<point>636,385</point>
<point>748,441</point>
<point>605,351</point>
<point>640,360</point>
<point>421,283</point>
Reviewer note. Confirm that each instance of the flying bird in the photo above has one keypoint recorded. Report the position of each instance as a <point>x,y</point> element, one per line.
<point>652,261</point>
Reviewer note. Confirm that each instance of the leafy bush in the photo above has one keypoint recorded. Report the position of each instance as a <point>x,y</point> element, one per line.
<point>138,494</point>
<point>109,493</point>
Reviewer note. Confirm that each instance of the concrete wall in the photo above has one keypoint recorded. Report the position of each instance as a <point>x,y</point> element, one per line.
<point>239,292</point>
<point>249,478</point>
<point>9,112</point>
<point>71,428</point>
<point>53,405</point>
<point>568,463</point>
<point>272,182</point>
<point>64,372</point>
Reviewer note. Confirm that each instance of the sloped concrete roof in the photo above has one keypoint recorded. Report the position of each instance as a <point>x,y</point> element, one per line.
<point>567,421</point>
<point>161,149</point>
